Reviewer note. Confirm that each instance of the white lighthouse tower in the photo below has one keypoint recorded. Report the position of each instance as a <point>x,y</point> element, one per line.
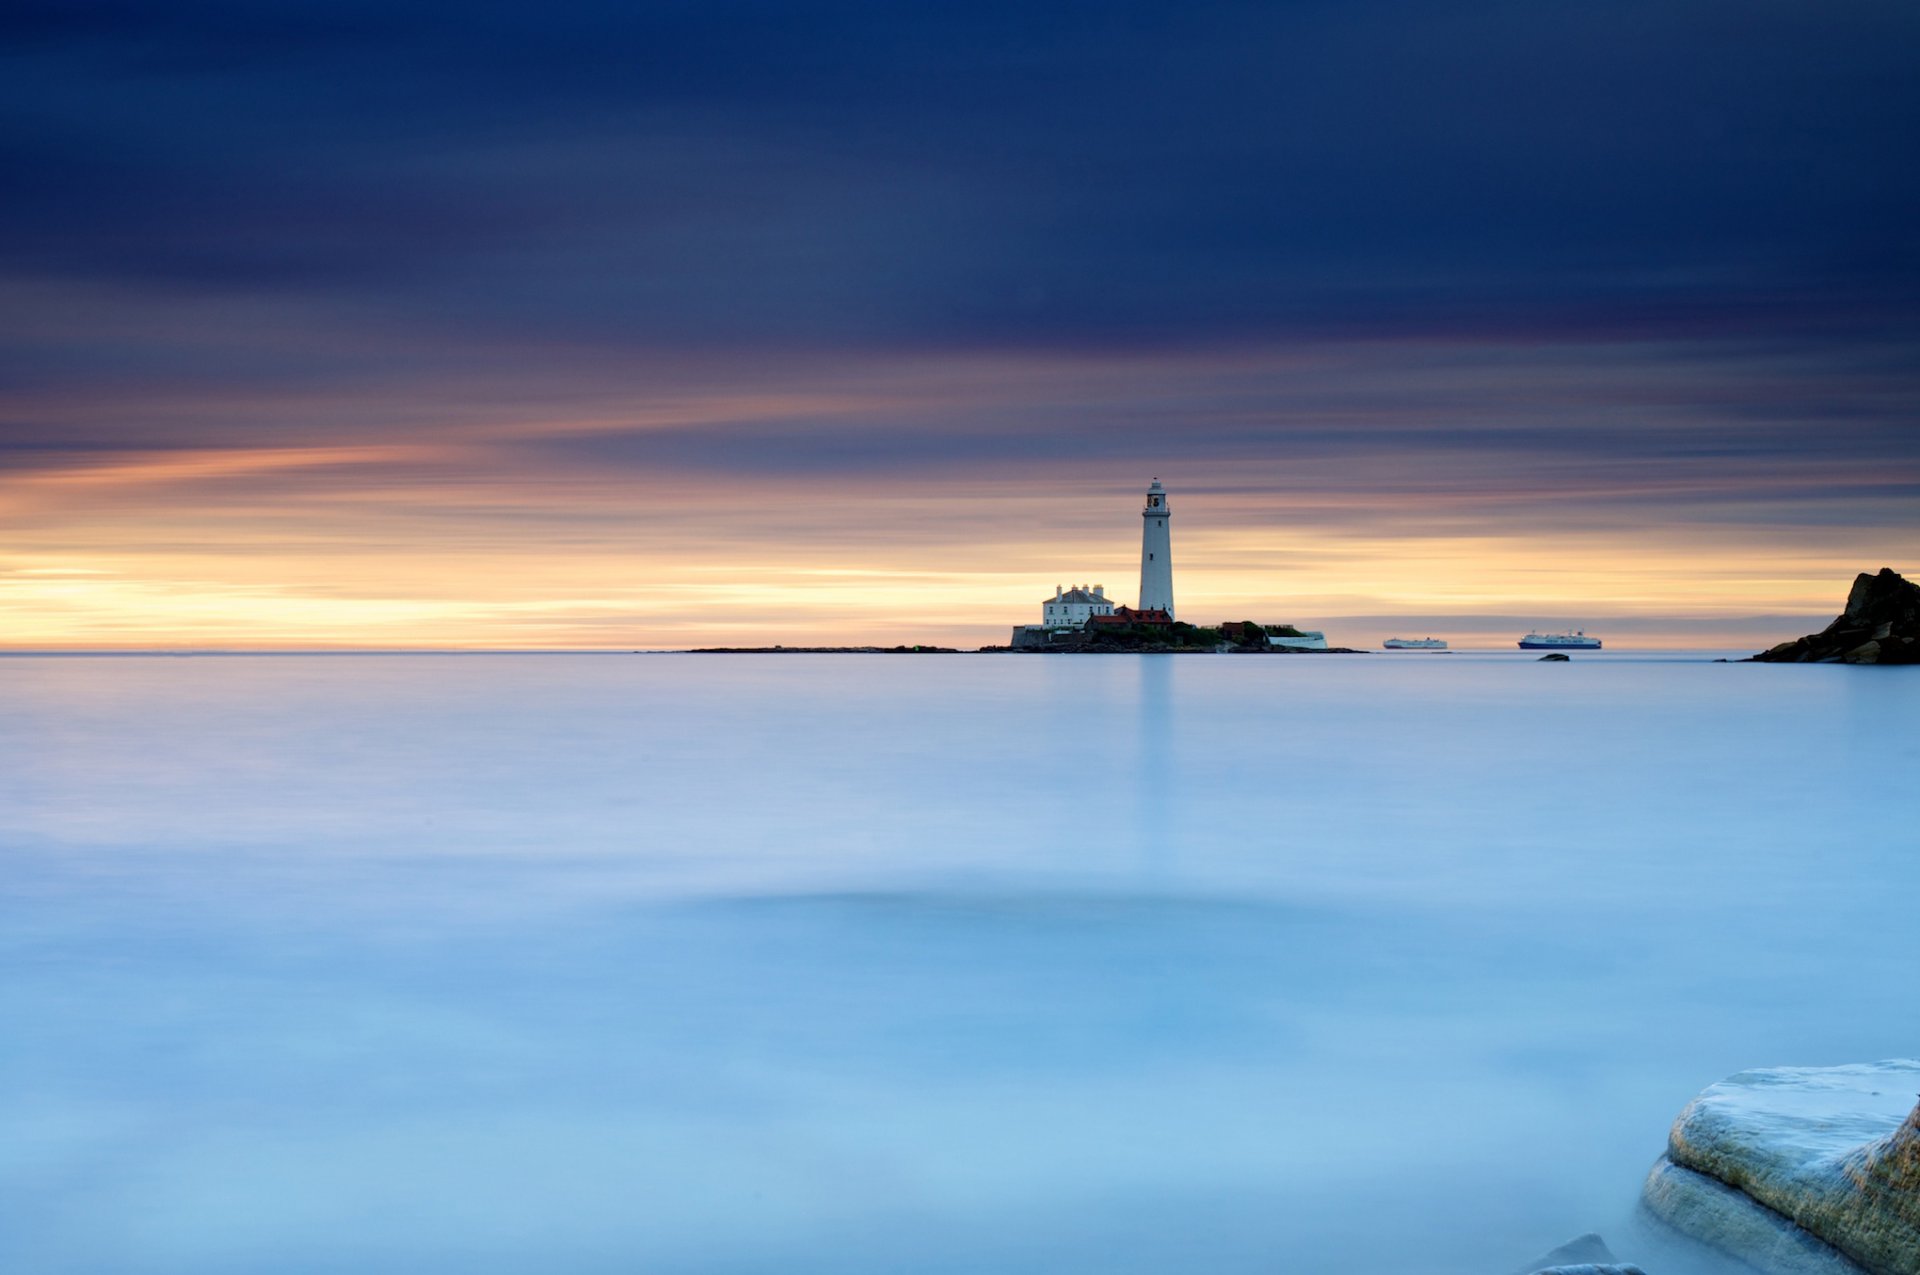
<point>1156,553</point>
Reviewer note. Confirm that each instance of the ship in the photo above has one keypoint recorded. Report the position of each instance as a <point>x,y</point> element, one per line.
<point>1415,644</point>
<point>1574,641</point>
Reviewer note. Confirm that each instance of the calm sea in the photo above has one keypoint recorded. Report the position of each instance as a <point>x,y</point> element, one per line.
<point>853,965</point>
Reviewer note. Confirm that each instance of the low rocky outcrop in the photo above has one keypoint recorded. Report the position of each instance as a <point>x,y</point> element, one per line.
<point>1800,1171</point>
<point>824,650</point>
<point>1881,625</point>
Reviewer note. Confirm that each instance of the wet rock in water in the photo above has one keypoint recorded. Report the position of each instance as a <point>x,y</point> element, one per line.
<point>1800,1170</point>
<point>1582,1250</point>
<point>1585,1255</point>
<point>1558,657</point>
<point>1881,625</point>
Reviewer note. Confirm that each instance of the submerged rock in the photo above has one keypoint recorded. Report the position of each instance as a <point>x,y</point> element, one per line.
<point>1881,625</point>
<point>1582,1250</point>
<point>1800,1170</point>
<point>1584,1255</point>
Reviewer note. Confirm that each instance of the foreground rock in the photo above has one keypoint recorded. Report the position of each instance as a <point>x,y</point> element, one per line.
<point>1800,1171</point>
<point>1881,625</point>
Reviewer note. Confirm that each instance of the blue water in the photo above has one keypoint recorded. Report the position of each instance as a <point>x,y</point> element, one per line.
<point>942,964</point>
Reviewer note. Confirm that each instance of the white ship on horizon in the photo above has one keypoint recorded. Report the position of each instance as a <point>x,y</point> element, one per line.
<point>1574,641</point>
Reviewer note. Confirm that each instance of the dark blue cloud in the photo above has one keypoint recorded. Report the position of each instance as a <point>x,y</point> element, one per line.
<point>744,175</point>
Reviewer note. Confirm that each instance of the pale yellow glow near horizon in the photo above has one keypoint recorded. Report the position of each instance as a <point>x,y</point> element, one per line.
<point>603,596</point>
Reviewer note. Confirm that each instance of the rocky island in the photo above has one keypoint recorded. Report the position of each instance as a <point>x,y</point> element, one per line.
<point>1880,625</point>
<point>1173,637</point>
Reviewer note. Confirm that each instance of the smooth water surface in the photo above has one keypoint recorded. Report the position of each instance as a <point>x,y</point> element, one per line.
<point>856,965</point>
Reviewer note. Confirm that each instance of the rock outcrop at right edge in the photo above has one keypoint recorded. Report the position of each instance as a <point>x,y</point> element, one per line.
<point>1881,625</point>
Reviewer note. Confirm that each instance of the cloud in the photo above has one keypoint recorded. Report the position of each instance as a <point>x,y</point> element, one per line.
<point>882,176</point>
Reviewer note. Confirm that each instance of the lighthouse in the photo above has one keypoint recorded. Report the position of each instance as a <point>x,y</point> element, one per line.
<point>1156,553</point>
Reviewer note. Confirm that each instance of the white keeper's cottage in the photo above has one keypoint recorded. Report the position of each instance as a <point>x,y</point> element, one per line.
<point>1071,608</point>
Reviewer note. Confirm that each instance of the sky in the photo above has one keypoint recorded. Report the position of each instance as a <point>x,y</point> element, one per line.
<point>662,324</point>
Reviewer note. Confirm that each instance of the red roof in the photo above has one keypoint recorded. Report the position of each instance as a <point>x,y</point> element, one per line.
<point>1127,615</point>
